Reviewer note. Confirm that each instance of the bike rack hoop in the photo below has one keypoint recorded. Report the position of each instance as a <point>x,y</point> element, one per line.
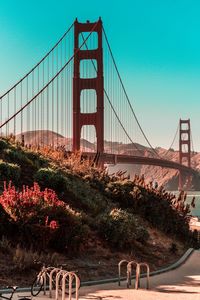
<point>71,276</point>
<point>119,270</point>
<point>58,275</point>
<point>53,271</point>
<point>129,273</point>
<point>143,264</point>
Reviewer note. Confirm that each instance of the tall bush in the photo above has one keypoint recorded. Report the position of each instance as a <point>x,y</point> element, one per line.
<point>9,172</point>
<point>121,229</point>
<point>42,219</point>
<point>47,177</point>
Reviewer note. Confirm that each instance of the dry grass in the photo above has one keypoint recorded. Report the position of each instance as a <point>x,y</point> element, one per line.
<point>5,246</point>
<point>26,259</point>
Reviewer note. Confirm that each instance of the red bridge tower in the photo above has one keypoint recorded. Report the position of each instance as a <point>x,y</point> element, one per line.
<point>184,148</point>
<point>79,84</point>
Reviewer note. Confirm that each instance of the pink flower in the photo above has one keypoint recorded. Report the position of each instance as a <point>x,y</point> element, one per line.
<point>54,225</point>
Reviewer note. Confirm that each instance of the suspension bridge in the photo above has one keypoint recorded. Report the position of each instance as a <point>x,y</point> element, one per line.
<point>75,97</point>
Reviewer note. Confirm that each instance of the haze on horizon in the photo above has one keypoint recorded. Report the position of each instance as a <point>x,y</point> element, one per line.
<point>155,43</point>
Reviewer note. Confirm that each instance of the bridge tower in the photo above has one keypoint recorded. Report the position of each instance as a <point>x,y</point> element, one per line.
<point>79,84</point>
<point>184,148</point>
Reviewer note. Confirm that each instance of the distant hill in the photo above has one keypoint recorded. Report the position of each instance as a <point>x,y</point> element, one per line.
<point>164,176</point>
<point>47,137</point>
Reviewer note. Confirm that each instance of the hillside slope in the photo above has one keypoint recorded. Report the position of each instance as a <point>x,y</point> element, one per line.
<point>93,221</point>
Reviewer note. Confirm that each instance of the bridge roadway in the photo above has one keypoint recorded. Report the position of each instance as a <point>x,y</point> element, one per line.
<point>142,160</point>
<point>182,283</point>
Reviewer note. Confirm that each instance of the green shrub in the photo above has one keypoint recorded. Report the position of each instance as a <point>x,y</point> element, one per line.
<point>121,192</point>
<point>51,179</point>
<point>120,228</point>
<point>5,223</point>
<point>38,160</point>
<point>9,172</point>
<point>67,235</point>
<point>163,210</point>
<point>18,156</point>
<point>3,145</point>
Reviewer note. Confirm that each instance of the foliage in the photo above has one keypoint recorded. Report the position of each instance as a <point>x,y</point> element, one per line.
<point>121,229</point>
<point>3,144</point>
<point>37,159</point>
<point>5,245</point>
<point>163,210</point>
<point>9,171</point>
<point>173,248</point>
<point>42,219</point>
<point>91,191</point>
<point>24,259</point>
<point>120,191</point>
<point>17,155</point>
<point>49,178</point>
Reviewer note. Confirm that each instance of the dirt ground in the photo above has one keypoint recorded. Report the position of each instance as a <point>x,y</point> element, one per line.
<point>98,262</point>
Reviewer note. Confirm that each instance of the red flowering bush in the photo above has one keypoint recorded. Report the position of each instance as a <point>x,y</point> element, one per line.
<point>26,204</point>
<point>42,219</point>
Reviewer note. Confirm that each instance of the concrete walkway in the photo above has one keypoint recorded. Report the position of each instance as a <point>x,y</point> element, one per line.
<point>181,283</point>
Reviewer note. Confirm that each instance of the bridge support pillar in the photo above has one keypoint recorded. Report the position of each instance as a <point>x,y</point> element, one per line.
<point>184,152</point>
<point>79,84</point>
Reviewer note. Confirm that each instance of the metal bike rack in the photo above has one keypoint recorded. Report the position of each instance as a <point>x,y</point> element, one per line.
<point>71,276</point>
<point>129,273</point>
<point>53,272</point>
<point>45,271</point>
<point>58,275</point>
<point>119,270</point>
<point>137,275</point>
<point>148,272</point>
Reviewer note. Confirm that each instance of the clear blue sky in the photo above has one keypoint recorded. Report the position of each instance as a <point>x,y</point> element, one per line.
<point>156,45</point>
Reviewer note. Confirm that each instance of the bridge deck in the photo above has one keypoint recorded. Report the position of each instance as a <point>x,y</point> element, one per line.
<point>131,159</point>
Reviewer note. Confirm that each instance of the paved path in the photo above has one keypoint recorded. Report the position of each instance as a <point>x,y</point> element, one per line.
<point>181,283</point>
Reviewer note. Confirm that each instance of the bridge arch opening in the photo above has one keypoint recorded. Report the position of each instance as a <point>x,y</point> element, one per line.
<point>88,68</point>
<point>92,41</point>
<point>184,148</point>
<point>88,102</point>
<point>88,138</point>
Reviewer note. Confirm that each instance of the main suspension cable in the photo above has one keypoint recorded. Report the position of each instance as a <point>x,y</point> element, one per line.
<point>123,87</point>
<point>27,74</point>
<point>165,154</point>
<point>52,80</point>
<point>107,96</point>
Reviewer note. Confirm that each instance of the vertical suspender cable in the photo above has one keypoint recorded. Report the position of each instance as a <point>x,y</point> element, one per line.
<point>48,77</point>
<point>38,105</point>
<point>21,132</point>
<point>52,91</point>
<point>14,110</point>
<point>7,126</point>
<point>57,99</point>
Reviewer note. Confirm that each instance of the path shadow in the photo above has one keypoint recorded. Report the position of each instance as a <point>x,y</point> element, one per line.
<point>95,297</point>
<point>179,283</point>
